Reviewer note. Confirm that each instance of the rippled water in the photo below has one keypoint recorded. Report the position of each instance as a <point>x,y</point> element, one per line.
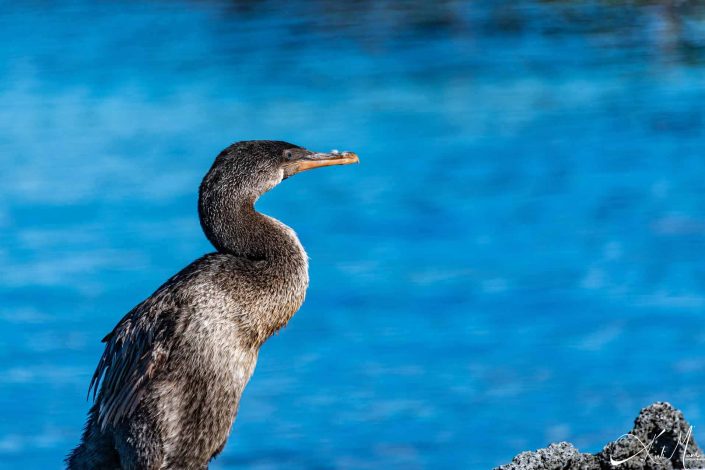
<point>519,258</point>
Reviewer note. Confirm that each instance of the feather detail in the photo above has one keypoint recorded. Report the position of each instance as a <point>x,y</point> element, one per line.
<point>134,352</point>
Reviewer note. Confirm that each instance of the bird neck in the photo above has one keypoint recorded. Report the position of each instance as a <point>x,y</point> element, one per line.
<point>282,266</point>
<point>245,232</point>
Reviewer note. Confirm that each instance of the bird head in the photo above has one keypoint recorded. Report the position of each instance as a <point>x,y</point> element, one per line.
<point>251,168</point>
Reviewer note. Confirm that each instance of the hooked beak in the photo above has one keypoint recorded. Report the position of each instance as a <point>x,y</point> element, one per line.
<point>316,160</point>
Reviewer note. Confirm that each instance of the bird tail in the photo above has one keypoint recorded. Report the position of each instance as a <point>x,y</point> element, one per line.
<point>96,449</point>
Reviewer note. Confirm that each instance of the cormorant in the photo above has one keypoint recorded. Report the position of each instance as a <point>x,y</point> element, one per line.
<point>169,382</point>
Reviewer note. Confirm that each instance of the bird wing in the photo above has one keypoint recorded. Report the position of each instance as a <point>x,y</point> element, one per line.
<point>135,350</point>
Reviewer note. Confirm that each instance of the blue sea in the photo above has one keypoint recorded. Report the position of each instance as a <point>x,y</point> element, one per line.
<point>518,259</point>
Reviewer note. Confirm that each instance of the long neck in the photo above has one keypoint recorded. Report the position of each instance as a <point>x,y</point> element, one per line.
<point>280,264</point>
<point>240,230</point>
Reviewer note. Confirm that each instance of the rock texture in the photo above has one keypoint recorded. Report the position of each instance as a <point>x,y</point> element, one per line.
<point>661,440</point>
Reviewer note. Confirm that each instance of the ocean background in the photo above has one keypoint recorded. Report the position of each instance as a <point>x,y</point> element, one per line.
<point>518,259</point>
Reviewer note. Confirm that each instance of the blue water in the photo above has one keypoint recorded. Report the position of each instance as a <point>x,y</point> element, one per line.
<point>518,259</point>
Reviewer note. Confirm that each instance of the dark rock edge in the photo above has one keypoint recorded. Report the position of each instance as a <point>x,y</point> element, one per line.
<point>661,440</point>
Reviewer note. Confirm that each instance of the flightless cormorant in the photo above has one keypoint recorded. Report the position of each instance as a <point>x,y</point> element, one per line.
<point>167,388</point>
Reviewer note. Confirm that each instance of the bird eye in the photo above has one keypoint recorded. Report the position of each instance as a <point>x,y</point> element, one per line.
<point>288,155</point>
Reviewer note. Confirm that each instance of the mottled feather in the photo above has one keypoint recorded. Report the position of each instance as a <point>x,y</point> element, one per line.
<point>134,352</point>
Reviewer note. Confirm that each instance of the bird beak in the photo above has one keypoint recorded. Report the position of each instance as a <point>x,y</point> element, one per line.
<point>316,160</point>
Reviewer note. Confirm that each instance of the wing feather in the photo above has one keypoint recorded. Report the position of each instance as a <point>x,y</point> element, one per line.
<point>134,352</point>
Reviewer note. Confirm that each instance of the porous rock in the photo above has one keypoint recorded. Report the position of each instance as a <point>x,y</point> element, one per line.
<point>661,440</point>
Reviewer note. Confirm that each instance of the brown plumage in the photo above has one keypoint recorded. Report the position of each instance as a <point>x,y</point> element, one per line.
<point>167,388</point>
